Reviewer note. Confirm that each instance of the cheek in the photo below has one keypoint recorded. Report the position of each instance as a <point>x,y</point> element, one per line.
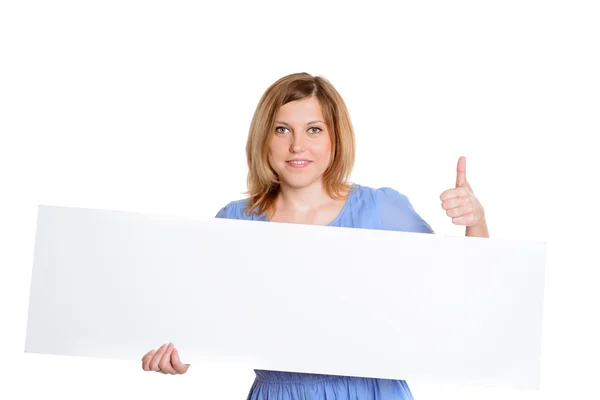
<point>277,153</point>
<point>321,149</point>
<point>274,148</point>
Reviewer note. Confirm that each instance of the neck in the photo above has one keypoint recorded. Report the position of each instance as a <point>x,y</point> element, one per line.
<point>302,199</point>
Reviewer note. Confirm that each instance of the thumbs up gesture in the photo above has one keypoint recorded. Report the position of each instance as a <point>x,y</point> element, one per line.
<point>460,202</point>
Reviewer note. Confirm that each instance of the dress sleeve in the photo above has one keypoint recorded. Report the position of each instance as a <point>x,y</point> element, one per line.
<point>397,214</point>
<point>224,212</point>
<point>233,210</point>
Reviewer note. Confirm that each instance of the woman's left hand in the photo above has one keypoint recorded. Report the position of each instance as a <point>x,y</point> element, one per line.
<point>460,202</point>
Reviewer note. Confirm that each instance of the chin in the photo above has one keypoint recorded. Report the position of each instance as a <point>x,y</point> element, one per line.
<point>300,182</point>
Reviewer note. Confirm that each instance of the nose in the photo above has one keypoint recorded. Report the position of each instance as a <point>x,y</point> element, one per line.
<point>298,143</point>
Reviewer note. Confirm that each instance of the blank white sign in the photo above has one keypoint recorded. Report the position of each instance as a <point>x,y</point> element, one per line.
<point>287,297</point>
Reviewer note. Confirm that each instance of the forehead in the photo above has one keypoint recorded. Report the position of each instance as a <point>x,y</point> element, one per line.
<point>300,111</point>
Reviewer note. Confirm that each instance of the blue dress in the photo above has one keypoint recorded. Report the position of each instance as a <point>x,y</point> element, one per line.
<point>367,208</point>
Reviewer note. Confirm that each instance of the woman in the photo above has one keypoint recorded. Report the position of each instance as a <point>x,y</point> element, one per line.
<point>300,152</point>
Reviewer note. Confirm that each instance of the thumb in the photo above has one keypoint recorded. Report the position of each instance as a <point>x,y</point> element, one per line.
<point>461,172</point>
<point>178,366</point>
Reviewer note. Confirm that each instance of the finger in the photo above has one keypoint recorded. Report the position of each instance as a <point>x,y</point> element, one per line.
<point>178,366</point>
<point>454,202</point>
<point>157,357</point>
<point>454,192</point>
<point>146,360</point>
<point>461,211</point>
<point>165,362</point>
<point>461,172</point>
<point>467,220</point>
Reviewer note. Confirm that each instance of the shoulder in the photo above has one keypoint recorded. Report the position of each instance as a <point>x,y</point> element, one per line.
<point>389,195</point>
<point>234,210</point>
<point>378,196</point>
<point>393,209</point>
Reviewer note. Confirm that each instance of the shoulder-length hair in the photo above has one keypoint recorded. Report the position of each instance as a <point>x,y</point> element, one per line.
<point>262,181</point>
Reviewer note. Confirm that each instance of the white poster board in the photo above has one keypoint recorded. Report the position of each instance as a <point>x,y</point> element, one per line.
<point>287,297</point>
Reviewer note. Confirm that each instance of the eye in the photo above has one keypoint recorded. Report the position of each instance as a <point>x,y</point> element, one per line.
<point>312,131</point>
<point>279,129</point>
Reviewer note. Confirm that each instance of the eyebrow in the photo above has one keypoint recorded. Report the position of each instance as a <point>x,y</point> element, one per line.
<point>311,122</point>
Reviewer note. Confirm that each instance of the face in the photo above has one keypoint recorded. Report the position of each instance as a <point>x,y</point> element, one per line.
<point>300,145</point>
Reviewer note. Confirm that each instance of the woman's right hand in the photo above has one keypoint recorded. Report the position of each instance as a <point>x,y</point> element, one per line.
<point>164,360</point>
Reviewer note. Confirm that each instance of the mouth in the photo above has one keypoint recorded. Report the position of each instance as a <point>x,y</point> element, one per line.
<point>298,163</point>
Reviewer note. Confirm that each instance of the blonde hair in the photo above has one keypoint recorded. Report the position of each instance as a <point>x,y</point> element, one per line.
<point>262,181</point>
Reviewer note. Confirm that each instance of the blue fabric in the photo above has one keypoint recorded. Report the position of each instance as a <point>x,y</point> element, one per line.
<point>366,208</point>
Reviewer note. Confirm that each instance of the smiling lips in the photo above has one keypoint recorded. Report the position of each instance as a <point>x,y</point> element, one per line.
<point>298,163</point>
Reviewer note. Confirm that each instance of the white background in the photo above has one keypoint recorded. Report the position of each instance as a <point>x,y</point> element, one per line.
<point>145,107</point>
